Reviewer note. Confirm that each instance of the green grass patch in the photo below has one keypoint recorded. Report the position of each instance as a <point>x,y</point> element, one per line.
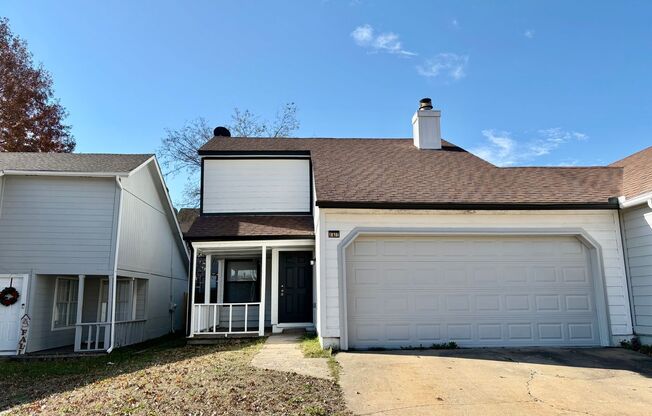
<point>311,348</point>
<point>335,368</point>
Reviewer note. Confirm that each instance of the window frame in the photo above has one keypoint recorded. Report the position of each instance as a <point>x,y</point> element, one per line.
<point>69,325</point>
<point>131,306</point>
<point>225,279</point>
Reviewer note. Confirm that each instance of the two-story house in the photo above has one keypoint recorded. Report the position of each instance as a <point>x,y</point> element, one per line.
<point>91,254</point>
<point>404,243</point>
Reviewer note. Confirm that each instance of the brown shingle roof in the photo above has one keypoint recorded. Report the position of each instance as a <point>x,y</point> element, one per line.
<point>637,179</point>
<point>377,172</point>
<point>71,162</point>
<point>186,217</point>
<point>251,226</point>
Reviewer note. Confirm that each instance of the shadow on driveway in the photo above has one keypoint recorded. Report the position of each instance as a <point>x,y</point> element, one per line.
<point>497,381</point>
<point>600,358</point>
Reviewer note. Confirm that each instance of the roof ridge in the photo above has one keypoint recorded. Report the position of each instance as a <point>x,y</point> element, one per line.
<point>632,155</point>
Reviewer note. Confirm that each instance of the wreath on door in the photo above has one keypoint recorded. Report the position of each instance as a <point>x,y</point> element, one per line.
<point>9,296</point>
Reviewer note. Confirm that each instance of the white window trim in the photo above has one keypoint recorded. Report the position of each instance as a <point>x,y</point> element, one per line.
<point>133,294</point>
<point>145,300</point>
<point>54,304</point>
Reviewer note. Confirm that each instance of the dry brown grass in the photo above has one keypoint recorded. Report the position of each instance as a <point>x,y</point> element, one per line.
<point>167,378</point>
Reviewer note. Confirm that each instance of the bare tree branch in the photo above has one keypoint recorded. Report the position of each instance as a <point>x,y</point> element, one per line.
<point>178,151</point>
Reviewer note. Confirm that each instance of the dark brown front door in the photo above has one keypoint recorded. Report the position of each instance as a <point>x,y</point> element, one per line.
<point>295,287</point>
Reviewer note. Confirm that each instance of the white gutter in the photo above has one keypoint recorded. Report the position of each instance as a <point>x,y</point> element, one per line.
<point>115,267</point>
<point>57,173</point>
<point>641,199</point>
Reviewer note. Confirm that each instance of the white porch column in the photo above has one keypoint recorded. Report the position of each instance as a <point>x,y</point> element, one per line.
<point>207,277</point>
<point>209,314</point>
<point>261,315</point>
<point>80,308</point>
<point>192,292</point>
<point>111,300</point>
<point>274,298</point>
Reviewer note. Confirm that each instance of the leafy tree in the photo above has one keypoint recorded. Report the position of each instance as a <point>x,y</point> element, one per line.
<point>179,147</point>
<point>31,119</point>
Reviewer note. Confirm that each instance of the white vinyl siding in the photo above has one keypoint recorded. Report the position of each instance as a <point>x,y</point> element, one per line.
<point>637,224</point>
<point>407,291</point>
<point>150,250</point>
<point>256,185</point>
<point>57,225</point>
<point>601,225</point>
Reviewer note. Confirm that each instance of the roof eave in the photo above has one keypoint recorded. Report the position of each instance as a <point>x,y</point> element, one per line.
<point>468,206</point>
<point>17,172</point>
<point>249,237</point>
<point>645,198</point>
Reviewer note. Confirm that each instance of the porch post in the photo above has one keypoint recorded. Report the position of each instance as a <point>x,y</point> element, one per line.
<point>80,308</point>
<point>274,298</point>
<point>209,315</point>
<point>111,301</point>
<point>207,277</point>
<point>261,312</point>
<point>192,291</point>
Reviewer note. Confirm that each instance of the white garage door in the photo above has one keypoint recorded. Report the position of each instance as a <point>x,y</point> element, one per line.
<point>476,291</point>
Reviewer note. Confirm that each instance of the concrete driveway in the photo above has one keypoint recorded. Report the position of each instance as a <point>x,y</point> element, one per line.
<point>498,381</point>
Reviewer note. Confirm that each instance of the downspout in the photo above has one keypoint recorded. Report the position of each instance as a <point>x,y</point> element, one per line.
<point>115,266</point>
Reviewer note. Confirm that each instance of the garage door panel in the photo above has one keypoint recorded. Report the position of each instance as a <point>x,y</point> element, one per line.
<point>523,333</point>
<point>500,291</point>
<point>418,305</point>
<point>431,274</point>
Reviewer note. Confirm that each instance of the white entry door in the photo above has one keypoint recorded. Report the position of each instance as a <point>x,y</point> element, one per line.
<point>10,315</point>
<point>476,291</point>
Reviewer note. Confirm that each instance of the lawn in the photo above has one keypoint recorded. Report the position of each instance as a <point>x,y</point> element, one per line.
<point>165,377</point>
<point>312,349</point>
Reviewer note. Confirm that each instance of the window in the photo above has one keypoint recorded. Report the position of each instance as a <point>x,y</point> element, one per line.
<point>130,300</point>
<point>64,314</point>
<point>123,311</point>
<point>200,281</point>
<point>241,282</point>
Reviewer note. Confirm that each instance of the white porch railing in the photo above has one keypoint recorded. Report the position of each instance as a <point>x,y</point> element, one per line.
<point>96,336</point>
<point>226,318</point>
<point>129,332</point>
<point>92,336</point>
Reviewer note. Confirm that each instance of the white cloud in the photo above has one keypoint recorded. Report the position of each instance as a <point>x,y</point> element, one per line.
<point>389,42</point>
<point>529,33</point>
<point>503,150</point>
<point>445,65</point>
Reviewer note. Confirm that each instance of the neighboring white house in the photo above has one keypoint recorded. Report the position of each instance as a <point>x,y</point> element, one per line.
<point>91,243</point>
<point>405,243</point>
<point>636,220</point>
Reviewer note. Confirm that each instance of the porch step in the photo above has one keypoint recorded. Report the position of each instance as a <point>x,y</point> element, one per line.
<point>212,339</point>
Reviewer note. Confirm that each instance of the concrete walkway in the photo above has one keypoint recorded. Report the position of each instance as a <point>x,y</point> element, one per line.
<point>282,353</point>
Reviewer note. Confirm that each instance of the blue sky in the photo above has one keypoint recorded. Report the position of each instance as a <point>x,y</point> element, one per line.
<point>520,83</point>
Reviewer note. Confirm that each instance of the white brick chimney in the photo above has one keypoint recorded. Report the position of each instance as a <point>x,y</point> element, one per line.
<point>426,129</point>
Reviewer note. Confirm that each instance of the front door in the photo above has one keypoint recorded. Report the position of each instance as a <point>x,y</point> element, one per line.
<point>10,315</point>
<point>295,287</point>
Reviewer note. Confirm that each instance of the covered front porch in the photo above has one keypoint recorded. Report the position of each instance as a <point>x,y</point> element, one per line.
<point>81,312</point>
<point>242,288</point>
